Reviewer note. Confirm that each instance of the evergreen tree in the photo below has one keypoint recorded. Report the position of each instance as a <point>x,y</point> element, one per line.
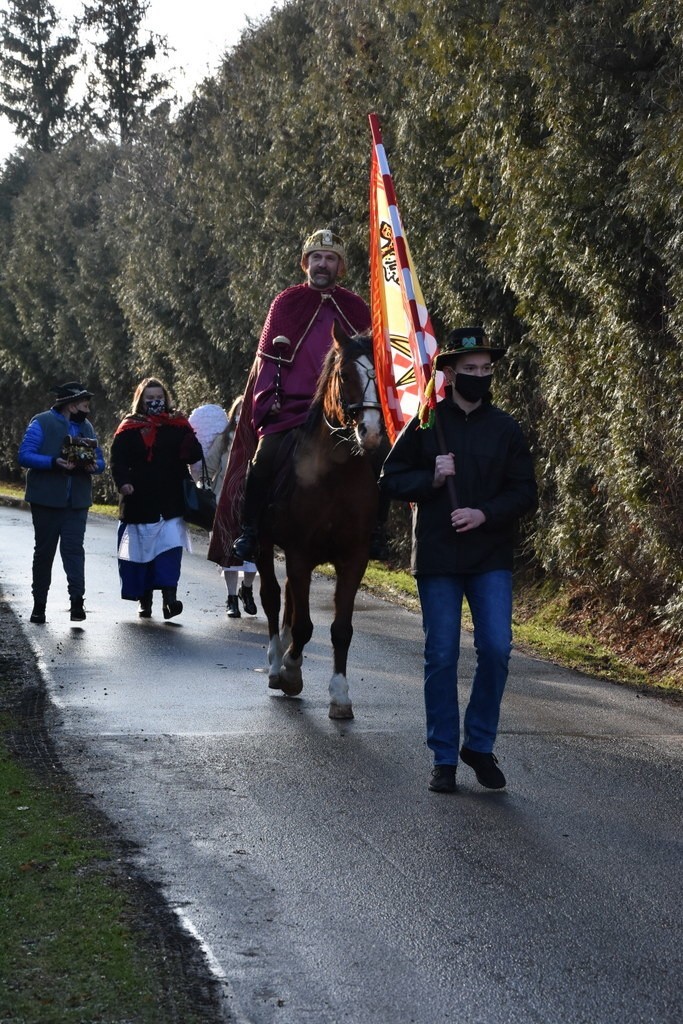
<point>123,88</point>
<point>36,73</point>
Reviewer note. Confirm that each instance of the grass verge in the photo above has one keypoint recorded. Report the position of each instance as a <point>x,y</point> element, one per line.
<point>83,937</point>
<point>15,492</point>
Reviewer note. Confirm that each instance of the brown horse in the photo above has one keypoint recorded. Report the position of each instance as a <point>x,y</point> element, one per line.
<point>327,516</point>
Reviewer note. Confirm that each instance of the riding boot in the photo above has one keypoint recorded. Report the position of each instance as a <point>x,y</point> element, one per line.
<point>233,607</point>
<point>246,596</point>
<point>245,547</point>
<point>145,605</point>
<point>171,605</point>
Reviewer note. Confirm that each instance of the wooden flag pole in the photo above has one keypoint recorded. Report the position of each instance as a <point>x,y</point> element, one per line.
<point>450,480</point>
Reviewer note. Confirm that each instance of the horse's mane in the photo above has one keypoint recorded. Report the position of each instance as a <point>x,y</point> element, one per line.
<point>358,345</point>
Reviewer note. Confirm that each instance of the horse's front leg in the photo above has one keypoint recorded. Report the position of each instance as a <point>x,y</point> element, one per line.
<point>270,600</point>
<point>297,614</point>
<point>349,576</point>
<point>287,615</point>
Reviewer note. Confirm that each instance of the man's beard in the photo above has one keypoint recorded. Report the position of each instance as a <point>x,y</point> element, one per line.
<point>322,279</point>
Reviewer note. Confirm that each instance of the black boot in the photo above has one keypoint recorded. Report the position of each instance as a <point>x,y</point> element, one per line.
<point>38,613</point>
<point>171,605</point>
<point>233,607</point>
<point>77,609</point>
<point>246,596</point>
<point>145,605</point>
<point>245,547</point>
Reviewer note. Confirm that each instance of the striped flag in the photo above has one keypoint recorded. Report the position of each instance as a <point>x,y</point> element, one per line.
<point>403,336</point>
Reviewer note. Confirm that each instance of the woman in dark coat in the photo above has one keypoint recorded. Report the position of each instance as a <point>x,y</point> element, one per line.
<point>149,457</point>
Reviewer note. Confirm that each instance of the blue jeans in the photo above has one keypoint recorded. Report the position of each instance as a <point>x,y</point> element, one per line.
<point>489,596</point>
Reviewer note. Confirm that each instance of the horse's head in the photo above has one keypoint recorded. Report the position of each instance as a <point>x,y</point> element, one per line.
<point>350,399</point>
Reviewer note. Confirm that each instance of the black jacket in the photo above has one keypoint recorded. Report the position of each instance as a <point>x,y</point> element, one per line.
<point>157,482</point>
<point>493,472</point>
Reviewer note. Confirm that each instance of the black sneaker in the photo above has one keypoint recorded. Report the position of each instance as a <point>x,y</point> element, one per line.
<point>77,609</point>
<point>485,768</point>
<point>442,779</point>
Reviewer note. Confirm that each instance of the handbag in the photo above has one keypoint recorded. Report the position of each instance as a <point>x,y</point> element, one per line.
<point>200,501</point>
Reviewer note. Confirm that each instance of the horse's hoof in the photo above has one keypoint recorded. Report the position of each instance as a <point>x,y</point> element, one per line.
<point>340,711</point>
<point>274,683</point>
<point>291,687</point>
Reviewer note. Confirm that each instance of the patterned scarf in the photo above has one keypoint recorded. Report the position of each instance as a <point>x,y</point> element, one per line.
<point>148,426</point>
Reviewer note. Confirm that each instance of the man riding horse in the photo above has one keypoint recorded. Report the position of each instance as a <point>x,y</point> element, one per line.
<point>296,338</point>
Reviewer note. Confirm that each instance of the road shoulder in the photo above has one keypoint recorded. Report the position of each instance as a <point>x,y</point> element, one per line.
<point>177,984</point>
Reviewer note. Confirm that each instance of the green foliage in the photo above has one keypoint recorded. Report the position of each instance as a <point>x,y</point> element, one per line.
<point>534,149</point>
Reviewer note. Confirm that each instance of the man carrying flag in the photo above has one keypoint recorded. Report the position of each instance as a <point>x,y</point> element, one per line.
<point>470,477</point>
<point>463,548</point>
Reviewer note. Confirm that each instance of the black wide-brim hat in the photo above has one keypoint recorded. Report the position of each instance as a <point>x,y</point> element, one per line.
<point>464,340</point>
<point>71,392</point>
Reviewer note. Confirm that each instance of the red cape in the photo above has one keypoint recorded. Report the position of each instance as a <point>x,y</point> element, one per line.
<point>226,524</point>
<point>293,311</point>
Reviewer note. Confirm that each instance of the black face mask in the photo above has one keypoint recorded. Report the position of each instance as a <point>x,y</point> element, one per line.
<point>472,388</point>
<point>79,416</point>
<point>155,406</point>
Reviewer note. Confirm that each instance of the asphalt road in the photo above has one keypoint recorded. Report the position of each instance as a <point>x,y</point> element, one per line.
<point>324,881</point>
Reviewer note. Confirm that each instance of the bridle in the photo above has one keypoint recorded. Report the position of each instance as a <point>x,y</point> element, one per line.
<point>352,410</point>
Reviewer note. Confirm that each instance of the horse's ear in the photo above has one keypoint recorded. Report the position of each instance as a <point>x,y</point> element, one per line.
<point>339,334</point>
